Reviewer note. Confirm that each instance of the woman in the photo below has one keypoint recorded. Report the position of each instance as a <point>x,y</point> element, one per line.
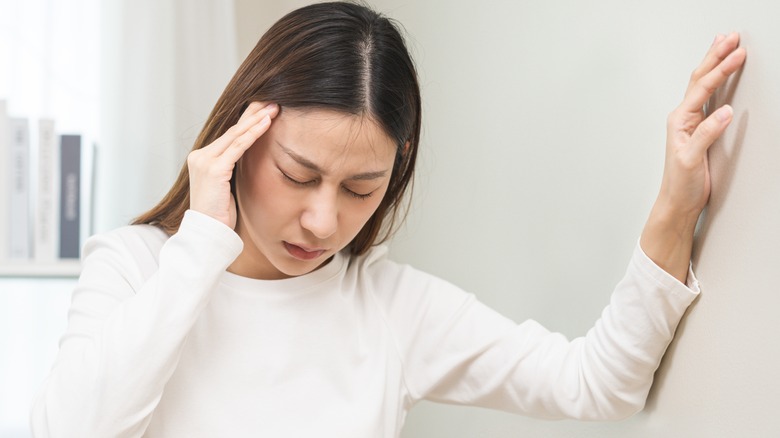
<point>253,300</point>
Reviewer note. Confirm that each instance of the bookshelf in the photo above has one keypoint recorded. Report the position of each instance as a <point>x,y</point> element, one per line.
<point>47,194</point>
<point>56,269</point>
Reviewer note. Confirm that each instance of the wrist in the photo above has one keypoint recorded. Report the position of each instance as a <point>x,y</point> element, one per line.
<point>669,219</point>
<point>668,239</point>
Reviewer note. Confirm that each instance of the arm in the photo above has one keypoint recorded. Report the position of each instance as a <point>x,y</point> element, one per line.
<point>454,349</point>
<point>126,328</point>
<point>668,235</point>
<point>459,351</point>
<point>125,331</point>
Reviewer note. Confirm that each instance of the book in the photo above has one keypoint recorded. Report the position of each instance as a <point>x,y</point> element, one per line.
<point>5,183</point>
<point>88,178</point>
<point>70,196</point>
<point>46,229</point>
<point>19,206</point>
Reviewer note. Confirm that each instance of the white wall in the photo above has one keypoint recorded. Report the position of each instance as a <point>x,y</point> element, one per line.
<point>33,316</point>
<point>541,156</point>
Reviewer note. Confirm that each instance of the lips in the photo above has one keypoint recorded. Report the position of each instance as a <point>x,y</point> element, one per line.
<point>301,252</point>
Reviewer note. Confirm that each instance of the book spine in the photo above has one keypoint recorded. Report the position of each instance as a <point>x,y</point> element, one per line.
<point>70,192</point>
<point>46,229</point>
<point>20,236</point>
<point>5,183</point>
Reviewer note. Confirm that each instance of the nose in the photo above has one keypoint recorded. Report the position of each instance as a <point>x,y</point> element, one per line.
<point>320,216</point>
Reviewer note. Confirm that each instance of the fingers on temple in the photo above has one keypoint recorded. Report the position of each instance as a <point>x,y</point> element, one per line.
<point>240,144</point>
<point>254,115</point>
<point>702,88</point>
<point>250,110</point>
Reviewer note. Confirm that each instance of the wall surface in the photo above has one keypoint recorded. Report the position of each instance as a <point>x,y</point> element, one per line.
<point>33,316</point>
<point>541,156</point>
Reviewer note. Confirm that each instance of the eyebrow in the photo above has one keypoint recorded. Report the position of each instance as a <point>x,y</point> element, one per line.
<point>305,162</point>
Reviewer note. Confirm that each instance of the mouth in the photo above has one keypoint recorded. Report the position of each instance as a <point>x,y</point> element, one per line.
<point>301,252</point>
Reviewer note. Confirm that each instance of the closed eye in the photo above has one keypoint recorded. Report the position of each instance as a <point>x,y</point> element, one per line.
<point>295,181</point>
<point>358,195</point>
<point>308,183</point>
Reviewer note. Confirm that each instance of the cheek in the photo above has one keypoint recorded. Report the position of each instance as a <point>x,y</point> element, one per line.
<point>255,186</point>
<point>361,211</point>
<point>263,192</point>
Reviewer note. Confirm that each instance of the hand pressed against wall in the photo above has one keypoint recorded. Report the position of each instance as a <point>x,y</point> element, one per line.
<point>668,235</point>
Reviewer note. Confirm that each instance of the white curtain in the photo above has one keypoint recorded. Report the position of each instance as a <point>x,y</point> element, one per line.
<point>49,60</point>
<point>164,64</point>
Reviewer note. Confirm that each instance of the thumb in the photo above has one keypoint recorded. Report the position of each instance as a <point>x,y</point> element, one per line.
<point>710,129</point>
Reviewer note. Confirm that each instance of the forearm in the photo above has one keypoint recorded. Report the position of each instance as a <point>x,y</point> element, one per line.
<point>667,239</point>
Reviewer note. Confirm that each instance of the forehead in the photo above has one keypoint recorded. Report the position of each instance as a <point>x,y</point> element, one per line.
<point>330,137</point>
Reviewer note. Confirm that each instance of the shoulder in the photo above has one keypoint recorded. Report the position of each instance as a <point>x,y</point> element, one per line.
<point>376,267</point>
<point>134,249</point>
<point>396,283</point>
<point>141,239</point>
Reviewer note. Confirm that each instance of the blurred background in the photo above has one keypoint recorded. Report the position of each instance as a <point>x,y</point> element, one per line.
<point>542,151</point>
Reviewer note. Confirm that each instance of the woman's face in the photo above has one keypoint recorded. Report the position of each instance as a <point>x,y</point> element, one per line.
<point>306,188</point>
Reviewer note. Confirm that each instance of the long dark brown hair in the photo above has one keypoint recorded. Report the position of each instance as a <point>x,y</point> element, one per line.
<point>337,56</point>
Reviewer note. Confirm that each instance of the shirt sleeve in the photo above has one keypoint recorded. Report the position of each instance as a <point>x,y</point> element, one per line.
<point>456,350</point>
<point>126,328</point>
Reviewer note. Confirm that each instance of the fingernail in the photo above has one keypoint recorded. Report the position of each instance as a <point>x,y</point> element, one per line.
<point>724,113</point>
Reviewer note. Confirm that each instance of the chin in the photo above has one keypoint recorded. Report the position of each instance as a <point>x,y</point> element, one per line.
<point>295,268</point>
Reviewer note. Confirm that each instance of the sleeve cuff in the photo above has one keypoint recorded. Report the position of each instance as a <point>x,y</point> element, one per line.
<point>215,232</point>
<point>648,266</point>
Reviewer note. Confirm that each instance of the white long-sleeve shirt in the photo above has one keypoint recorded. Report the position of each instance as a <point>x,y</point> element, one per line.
<point>163,342</point>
